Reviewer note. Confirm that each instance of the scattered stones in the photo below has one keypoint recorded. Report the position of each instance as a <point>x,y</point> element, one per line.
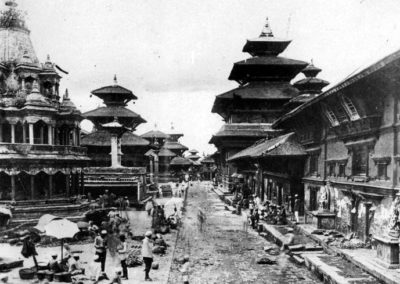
<point>298,259</point>
<point>296,247</point>
<point>266,260</point>
<point>318,232</point>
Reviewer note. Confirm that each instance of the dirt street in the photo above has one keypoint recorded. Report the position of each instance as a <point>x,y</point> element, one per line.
<point>223,252</point>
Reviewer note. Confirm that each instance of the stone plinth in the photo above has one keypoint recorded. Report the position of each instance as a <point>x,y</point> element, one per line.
<point>325,220</point>
<point>387,252</point>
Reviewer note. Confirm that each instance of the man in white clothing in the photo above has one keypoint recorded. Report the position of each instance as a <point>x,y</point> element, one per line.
<point>147,254</point>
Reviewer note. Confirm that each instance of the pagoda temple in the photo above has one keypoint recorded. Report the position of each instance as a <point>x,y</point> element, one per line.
<point>40,153</point>
<point>250,109</point>
<point>166,148</point>
<point>123,170</point>
<point>309,87</point>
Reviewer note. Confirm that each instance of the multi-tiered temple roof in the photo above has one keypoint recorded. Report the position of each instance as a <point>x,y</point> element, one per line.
<point>264,88</point>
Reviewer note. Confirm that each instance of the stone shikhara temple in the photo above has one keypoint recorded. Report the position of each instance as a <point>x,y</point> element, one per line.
<point>40,153</point>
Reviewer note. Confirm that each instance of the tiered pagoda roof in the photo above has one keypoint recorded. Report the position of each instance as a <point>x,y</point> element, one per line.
<point>309,87</point>
<point>264,88</point>
<point>115,98</point>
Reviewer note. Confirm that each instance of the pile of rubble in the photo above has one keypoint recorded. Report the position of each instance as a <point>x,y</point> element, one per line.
<point>337,239</point>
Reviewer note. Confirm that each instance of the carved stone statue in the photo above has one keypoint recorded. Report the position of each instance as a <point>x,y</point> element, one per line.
<point>323,199</point>
<point>394,222</point>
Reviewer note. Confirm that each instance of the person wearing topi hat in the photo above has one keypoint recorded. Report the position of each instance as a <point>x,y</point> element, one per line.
<point>100,243</point>
<point>147,254</point>
<point>53,264</point>
<point>3,278</point>
<point>75,266</point>
<point>296,207</point>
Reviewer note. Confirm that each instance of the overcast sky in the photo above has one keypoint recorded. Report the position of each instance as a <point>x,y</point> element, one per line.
<point>176,55</point>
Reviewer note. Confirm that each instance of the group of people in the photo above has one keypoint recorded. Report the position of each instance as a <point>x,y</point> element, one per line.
<point>107,200</point>
<point>69,263</point>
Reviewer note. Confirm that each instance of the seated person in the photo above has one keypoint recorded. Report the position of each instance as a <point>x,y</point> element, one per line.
<point>53,265</point>
<point>75,266</point>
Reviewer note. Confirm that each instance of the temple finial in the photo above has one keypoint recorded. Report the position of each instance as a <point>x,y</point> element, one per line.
<point>115,80</point>
<point>48,58</point>
<point>172,126</point>
<point>155,125</point>
<point>266,31</point>
<point>312,62</point>
<point>66,95</point>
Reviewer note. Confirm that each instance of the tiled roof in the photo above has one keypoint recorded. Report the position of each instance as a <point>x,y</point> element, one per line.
<point>245,129</point>
<point>103,138</point>
<point>283,145</point>
<point>173,145</point>
<point>166,153</point>
<point>113,111</point>
<point>354,78</point>
<point>180,161</point>
<point>154,134</point>
<point>114,89</point>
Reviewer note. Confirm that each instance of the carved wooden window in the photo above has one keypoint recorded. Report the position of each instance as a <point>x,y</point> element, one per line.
<point>331,116</point>
<point>350,108</point>
<point>331,169</point>
<point>382,164</point>
<point>360,161</point>
<point>342,170</point>
<point>340,114</point>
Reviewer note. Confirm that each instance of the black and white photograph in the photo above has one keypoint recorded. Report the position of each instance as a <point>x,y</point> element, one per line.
<point>201,142</point>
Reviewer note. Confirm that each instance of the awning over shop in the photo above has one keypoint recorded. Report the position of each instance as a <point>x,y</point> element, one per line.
<point>284,145</point>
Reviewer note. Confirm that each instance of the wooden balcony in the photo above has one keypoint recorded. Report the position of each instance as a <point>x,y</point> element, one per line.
<point>41,149</point>
<point>360,127</point>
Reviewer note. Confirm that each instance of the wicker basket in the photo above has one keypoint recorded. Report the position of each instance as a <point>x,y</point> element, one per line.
<point>27,273</point>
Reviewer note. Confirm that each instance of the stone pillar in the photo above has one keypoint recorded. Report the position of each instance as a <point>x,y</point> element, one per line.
<point>74,138</point>
<point>119,151</point>
<point>23,84</point>
<point>50,134</point>
<point>50,193</point>
<point>138,192</point>
<point>32,187</point>
<point>31,141</point>
<point>13,188</point>
<point>1,132</point>
<point>67,184</point>
<point>12,133</point>
<point>151,169</point>
<point>115,161</point>
<point>23,133</point>
<point>156,169</point>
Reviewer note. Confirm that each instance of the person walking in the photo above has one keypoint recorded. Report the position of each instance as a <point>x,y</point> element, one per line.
<point>147,255</point>
<point>296,207</point>
<point>122,252</point>
<point>100,243</point>
<point>149,207</point>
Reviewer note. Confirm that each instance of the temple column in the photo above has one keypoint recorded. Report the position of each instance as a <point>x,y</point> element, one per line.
<point>67,185</point>
<point>23,133</point>
<point>13,188</point>
<point>50,135</point>
<point>1,132</point>
<point>74,137</point>
<point>23,84</point>
<point>12,133</point>
<point>156,169</point>
<point>138,192</point>
<point>115,161</point>
<point>31,141</point>
<point>50,193</point>
<point>32,187</point>
<point>151,169</point>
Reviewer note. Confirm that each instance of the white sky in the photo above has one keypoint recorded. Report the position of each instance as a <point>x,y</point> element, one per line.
<point>176,55</point>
